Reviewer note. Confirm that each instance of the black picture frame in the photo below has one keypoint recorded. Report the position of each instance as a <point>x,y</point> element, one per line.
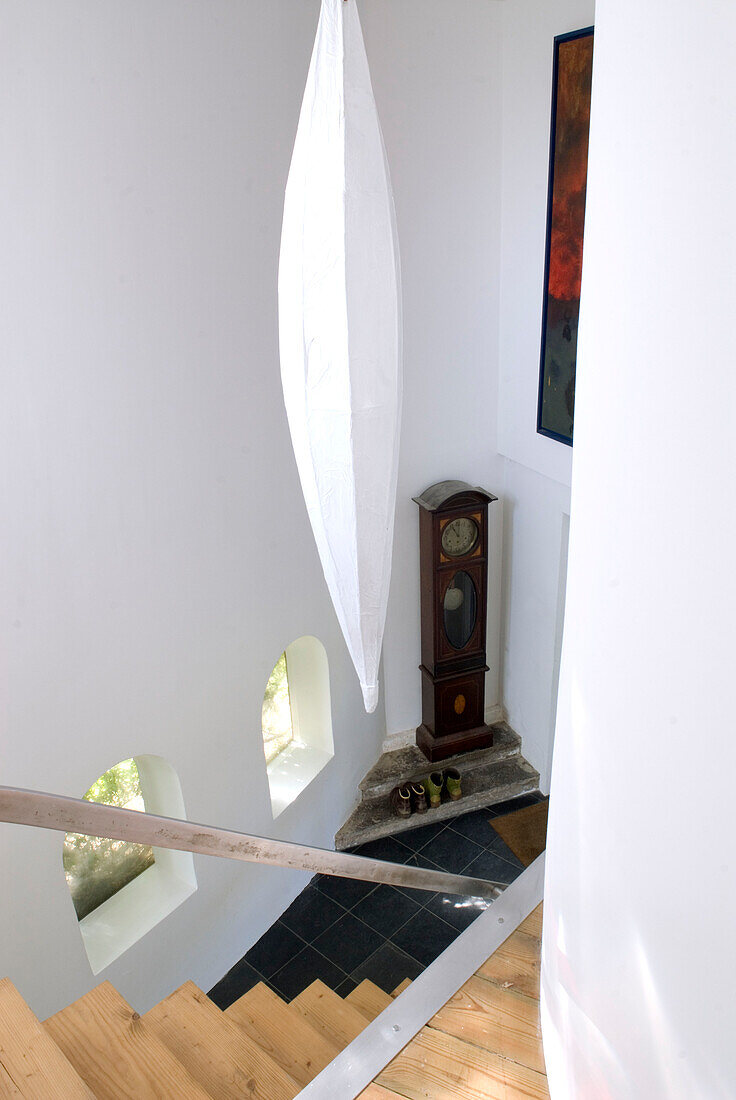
<point>556,394</point>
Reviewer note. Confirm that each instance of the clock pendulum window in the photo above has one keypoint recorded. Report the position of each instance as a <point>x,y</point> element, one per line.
<point>453,561</point>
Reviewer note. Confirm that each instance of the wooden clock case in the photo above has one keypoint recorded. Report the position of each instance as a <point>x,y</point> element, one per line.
<point>453,679</point>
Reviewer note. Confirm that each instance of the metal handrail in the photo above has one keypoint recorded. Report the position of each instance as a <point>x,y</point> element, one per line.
<point>75,815</point>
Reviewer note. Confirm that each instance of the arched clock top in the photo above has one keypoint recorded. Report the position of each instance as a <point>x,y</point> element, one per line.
<point>445,496</point>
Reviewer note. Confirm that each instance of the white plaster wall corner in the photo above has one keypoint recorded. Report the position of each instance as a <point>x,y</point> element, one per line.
<point>160,549</point>
<point>650,593</point>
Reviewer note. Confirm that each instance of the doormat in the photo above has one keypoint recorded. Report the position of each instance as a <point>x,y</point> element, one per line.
<point>524,831</point>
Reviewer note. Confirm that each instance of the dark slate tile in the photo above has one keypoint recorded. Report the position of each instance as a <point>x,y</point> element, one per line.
<point>311,914</point>
<point>273,949</point>
<point>387,968</point>
<point>302,970</point>
<point>385,910</point>
<point>236,982</point>
<point>517,803</point>
<point>417,838</point>
<point>346,987</point>
<point>387,848</point>
<point>451,851</point>
<point>347,892</point>
<point>420,896</point>
<point>348,943</point>
<point>424,937</point>
<point>488,865</point>
<point>457,910</point>
<point>476,826</point>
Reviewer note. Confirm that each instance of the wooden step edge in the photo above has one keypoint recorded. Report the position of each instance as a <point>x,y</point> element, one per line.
<point>330,1014</point>
<point>116,1052</point>
<point>378,1092</point>
<point>283,1032</point>
<point>31,1063</point>
<point>533,923</point>
<point>369,999</point>
<point>401,987</point>
<point>215,1051</point>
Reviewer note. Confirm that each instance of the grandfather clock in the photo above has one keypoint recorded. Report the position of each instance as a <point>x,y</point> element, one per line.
<point>453,562</point>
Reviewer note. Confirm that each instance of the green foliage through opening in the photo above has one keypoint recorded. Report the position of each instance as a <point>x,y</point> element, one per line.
<point>96,868</point>
<point>276,720</point>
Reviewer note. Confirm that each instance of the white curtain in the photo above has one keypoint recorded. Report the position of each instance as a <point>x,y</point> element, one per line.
<point>639,967</point>
<point>340,333</point>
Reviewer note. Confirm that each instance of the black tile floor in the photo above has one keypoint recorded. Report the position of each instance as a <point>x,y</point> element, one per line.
<point>343,930</point>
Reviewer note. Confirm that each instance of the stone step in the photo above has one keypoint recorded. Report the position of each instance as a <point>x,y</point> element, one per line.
<point>485,785</point>
<point>409,763</point>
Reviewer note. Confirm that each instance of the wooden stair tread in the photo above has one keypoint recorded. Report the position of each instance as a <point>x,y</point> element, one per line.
<point>330,1014</point>
<point>533,923</point>
<point>499,1020</point>
<point>8,1087</point>
<point>401,987</point>
<point>378,1092</point>
<point>437,1066</point>
<point>116,1052</point>
<point>369,999</point>
<point>215,1051</point>
<point>31,1065</point>
<point>283,1033</point>
<point>515,965</point>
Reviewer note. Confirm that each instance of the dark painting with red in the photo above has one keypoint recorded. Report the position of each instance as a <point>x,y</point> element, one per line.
<point>573,70</point>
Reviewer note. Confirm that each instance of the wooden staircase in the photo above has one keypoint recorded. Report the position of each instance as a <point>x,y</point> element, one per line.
<point>484,1043</point>
<point>260,1048</point>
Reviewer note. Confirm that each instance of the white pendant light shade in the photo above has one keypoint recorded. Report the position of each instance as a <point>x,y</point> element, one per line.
<point>340,333</point>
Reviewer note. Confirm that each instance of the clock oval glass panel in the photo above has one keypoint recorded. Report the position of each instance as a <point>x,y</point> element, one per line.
<point>459,537</point>
<point>460,608</point>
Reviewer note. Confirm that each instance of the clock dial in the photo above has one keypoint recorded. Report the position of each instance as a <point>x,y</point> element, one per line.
<point>459,537</point>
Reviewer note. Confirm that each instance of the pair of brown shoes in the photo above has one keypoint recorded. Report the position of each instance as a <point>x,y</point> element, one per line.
<point>417,797</point>
<point>409,799</point>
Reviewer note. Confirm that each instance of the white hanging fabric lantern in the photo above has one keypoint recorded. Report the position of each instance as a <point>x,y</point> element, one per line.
<point>340,333</point>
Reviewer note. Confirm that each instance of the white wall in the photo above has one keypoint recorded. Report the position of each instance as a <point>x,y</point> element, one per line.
<point>536,475</point>
<point>535,555</point>
<point>640,907</point>
<point>156,554</point>
<point>436,68</point>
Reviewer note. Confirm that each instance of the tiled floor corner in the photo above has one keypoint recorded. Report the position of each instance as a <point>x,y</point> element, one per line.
<point>344,930</point>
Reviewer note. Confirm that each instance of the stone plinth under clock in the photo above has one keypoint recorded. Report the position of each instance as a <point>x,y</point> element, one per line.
<point>489,776</point>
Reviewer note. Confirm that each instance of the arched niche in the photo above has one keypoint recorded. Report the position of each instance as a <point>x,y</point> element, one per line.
<point>300,682</point>
<point>130,888</point>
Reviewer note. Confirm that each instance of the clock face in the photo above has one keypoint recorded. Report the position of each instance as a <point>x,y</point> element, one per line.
<point>459,537</point>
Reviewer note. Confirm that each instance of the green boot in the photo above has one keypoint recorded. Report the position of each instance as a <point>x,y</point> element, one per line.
<point>433,785</point>
<point>453,784</point>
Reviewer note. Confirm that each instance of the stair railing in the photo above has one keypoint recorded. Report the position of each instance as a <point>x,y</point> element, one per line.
<point>75,815</point>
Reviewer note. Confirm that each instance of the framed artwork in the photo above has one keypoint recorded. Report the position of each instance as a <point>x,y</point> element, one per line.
<point>568,174</point>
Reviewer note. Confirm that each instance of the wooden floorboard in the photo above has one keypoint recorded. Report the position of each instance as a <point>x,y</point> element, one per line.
<point>515,965</point>
<point>228,1064</point>
<point>333,1017</point>
<point>31,1065</point>
<point>283,1033</point>
<point>117,1053</point>
<point>485,1043</point>
<point>369,999</point>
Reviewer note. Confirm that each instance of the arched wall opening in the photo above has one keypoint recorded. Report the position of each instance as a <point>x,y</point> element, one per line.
<point>301,680</point>
<point>123,890</point>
